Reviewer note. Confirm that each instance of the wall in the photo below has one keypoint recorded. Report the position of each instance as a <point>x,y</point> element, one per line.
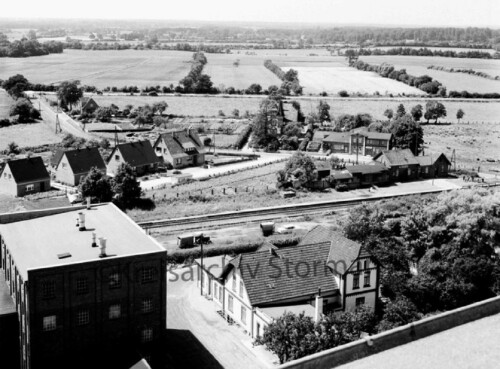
<point>7,183</point>
<point>396,337</point>
<point>25,215</point>
<point>64,174</point>
<point>37,187</point>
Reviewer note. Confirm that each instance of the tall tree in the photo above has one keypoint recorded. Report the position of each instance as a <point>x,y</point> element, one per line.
<point>24,110</point>
<point>96,186</point>
<point>400,111</point>
<point>434,110</point>
<point>324,112</point>
<point>408,134</point>
<point>416,112</point>
<point>389,113</point>
<point>69,93</point>
<point>126,186</point>
<point>460,114</point>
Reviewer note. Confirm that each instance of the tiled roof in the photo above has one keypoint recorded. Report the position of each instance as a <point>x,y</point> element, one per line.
<point>137,153</point>
<point>178,141</point>
<point>28,169</point>
<point>291,272</point>
<point>398,157</point>
<point>319,136</point>
<point>56,157</point>
<point>366,168</point>
<point>338,137</point>
<point>342,251</point>
<point>82,160</point>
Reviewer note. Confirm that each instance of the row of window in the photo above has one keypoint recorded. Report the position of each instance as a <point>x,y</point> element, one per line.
<point>234,286</point>
<point>82,284</point>
<point>83,316</point>
<point>367,275</point>
<point>243,312</point>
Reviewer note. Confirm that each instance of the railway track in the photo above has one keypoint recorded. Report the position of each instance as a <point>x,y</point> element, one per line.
<point>261,214</point>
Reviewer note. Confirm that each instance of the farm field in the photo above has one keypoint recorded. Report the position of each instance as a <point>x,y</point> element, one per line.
<point>5,104</point>
<point>417,65</point>
<point>474,144</point>
<point>250,70</point>
<point>103,68</point>
<point>209,106</point>
<point>331,79</point>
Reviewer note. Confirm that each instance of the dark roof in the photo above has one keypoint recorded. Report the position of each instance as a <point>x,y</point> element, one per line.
<point>82,160</point>
<point>88,100</point>
<point>337,174</point>
<point>323,165</point>
<point>266,285</point>
<point>319,136</point>
<point>182,143</point>
<point>366,168</point>
<point>342,251</point>
<point>137,153</point>
<point>398,157</point>
<point>56,157</point>
<point>28,169</point>
<point>372,135</point>
<point>338,137</point>
<point>429,160</point>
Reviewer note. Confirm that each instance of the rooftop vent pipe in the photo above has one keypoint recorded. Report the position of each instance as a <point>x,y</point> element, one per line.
<point>94,244</point>
<point>81,218</point>
<point>102,243</point>
<point>88,203</point>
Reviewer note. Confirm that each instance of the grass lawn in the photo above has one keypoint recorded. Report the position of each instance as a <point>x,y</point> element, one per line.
<point>11,204</point>
<point>24,135</point>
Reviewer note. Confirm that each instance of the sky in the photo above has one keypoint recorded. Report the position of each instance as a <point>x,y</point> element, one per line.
<point>442,13</point>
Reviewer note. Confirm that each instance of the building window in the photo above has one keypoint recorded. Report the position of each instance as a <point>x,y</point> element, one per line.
<point>117,157</point>
<point>243,315</point>
<point>355,281</point>
<point>147,335</point>
<point>241,288</point>
<point>360,301</point>
<point>358,265</point>
<point>216,290</point>
<point>230,303</point>
<point>367,279</point>
<point>48,290</point>
<point>82,286</point>
<point>115,311</point>
<point>409,171</point>
<point>366,264</point>
<point>178,161</point>
<point>30,187</point>
<point>49,323</point>
<point>147,305</point>
<point>63,165</point>
<point>147,275</point>
<point>220,293</point>
<point>234,283</point>
<point>83,317</point>
<point>115,280</point>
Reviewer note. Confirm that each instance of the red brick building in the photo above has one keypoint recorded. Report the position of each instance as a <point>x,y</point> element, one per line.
<point>88,285</point>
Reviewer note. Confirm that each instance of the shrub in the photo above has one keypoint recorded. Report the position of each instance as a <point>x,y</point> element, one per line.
<point>243,137</point>
<point>343,93</point>
<point>341,187</point>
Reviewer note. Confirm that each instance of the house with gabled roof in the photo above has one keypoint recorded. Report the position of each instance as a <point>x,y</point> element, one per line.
<point>22,177</point>
<point>74,165</point>
<point>402,164</point>
<point>432,166</point>
<point>181,148</point>
<point>88,105</point>
<point>359,140</point>
<point>325,272</point>
<point>138,154</point>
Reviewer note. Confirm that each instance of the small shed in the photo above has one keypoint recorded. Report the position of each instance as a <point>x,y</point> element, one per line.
<point>267,228</point>
<point>185,241</point>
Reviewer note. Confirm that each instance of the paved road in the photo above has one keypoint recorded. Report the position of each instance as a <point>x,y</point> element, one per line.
<point>199,338</point>
<point>67,124</point>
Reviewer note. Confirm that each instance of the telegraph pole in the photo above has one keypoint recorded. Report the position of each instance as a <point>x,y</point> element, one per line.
<point>201,277</point>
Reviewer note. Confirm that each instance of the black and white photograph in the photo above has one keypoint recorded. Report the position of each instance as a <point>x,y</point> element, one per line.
<point>265,184</point>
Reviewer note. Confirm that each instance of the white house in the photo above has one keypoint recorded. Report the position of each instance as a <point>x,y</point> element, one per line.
<point>254,288</point>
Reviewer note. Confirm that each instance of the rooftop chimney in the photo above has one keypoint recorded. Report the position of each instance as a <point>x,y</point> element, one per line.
<point>102,243</point>
<point>318,306</point>
<point>94,244</point>
<point>81,218</point>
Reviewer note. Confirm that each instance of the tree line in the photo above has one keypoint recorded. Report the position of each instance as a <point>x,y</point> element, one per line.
<point>436,254</point>
<point>465,71</point>
<point>25,48</point>
<point>410,51</point>
<point>290,78</point>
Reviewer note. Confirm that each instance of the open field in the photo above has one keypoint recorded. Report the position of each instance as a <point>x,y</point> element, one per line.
<point>417,66</point>
<point>332,79</point>
<point>474,144</point>
<point>250,70</point>
<point>33,134</point>
<point>5,103</point>
<point>103,68</point>
<point>209,106</point>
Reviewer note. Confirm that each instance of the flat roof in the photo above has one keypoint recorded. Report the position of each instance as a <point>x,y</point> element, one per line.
<point>36,243</point>
<point>472,345</point>
<point>6,303</point>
